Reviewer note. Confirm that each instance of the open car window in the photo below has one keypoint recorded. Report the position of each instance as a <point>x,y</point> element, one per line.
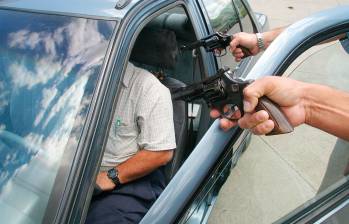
<point>174,68</point>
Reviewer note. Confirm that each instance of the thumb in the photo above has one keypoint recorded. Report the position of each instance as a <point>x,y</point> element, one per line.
<point>253,92</point>
<point>234,43</point>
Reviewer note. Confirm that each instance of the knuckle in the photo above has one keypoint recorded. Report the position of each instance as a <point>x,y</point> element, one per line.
<point>247,91</point>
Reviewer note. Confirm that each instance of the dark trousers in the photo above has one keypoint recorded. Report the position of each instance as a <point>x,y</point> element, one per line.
<point>127,203</point>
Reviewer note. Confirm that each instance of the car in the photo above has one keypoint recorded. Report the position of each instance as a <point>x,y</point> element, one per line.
<point>61,63</point>
<point>60,66</point>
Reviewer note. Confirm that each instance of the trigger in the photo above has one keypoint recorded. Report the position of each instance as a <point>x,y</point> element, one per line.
<point>229,110</point>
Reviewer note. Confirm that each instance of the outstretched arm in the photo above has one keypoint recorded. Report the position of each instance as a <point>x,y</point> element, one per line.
<point>249,40</point>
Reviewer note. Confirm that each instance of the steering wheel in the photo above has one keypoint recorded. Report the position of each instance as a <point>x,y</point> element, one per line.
<point>13,139</point>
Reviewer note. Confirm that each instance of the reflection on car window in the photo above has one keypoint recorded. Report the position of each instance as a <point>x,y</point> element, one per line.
<point>48,69</point>
<point>245,19</point>
<point>222,16</point>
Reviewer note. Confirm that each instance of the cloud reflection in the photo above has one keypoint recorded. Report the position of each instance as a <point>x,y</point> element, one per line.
<point>55,67</point>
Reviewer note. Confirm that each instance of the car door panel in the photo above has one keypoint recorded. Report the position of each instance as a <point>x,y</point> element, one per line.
<point>198,181</point>
<point>190,176</point>
<point>295,40</point>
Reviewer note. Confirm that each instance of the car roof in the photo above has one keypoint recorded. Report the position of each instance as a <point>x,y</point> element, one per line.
<point>84,8</point>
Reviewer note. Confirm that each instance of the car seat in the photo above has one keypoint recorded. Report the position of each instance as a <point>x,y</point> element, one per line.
<point>156,50</point>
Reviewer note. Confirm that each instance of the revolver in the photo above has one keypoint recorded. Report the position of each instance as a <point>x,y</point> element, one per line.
<point>225,92</point>
<point>216,43</point>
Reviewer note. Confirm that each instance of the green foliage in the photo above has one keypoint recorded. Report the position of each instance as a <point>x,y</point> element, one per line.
<point>226,19</point>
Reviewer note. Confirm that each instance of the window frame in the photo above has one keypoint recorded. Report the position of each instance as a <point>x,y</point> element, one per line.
<point>253,22</point>
<point>182,193</point>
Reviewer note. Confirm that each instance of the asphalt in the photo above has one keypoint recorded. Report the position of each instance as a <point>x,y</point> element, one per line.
<point>277,174</point>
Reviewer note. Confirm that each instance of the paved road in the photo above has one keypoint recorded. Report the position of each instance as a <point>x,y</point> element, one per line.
<point>277,174</point>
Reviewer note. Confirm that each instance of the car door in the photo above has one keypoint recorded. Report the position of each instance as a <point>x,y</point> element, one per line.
<point>191,192</point>
<point>300,177</point>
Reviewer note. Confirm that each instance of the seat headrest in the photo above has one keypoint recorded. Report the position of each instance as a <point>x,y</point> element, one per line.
<point>156,47</point>
<point>179,23</point>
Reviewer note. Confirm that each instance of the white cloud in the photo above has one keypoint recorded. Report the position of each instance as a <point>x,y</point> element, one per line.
<point>4,95</point>
<point>48,96</point>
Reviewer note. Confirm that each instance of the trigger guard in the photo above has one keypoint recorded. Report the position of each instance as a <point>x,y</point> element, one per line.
<point>232,108</point>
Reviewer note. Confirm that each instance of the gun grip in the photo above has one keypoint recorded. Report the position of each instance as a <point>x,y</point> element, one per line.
<point>282,125</point>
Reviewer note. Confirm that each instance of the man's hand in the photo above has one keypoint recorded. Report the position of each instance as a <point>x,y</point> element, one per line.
<point>247,40</point>
<point>225,123</point>
<point>287,93</point>
<point>104,182</point>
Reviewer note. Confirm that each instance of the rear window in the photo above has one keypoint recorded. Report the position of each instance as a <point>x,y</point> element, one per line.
<point>49,66</point>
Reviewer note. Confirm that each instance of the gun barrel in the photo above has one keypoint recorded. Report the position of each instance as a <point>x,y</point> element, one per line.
<point>193,45</point>
<point>188,93</point>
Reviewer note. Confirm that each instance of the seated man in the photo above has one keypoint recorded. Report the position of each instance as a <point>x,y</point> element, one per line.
<point>141,141</point>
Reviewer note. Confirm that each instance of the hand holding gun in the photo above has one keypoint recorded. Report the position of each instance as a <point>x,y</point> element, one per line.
<point>216,43</point>
<point>223,90</point>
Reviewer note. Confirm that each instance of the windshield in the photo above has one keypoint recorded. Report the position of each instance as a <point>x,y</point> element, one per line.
<point>49,66</point>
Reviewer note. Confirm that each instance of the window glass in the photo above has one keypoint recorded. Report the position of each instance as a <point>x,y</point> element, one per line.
<point>222,16</point>
<point>246,22</point>
<point>48,70</point>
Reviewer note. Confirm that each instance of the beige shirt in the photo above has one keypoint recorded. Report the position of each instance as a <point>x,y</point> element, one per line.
<point>143,118</point>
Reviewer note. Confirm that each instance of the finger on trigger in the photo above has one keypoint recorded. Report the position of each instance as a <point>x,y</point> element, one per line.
<point>227,124</point>
<point>215,113</point>
<point>237,113</point>
<point>238,51</point>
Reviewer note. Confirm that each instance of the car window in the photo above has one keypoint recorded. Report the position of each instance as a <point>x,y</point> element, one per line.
<point>191,120</point>
<point>181,70</point>
<point>278,174</point>
<point>222,15</point>
<point>223,18</point>
<point>246,22</point>
<point>49,66</point>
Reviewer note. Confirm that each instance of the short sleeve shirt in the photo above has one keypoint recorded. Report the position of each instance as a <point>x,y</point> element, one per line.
<point>143,118</point>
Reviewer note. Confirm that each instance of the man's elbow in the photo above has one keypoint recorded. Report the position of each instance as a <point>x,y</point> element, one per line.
<point>166,157</point>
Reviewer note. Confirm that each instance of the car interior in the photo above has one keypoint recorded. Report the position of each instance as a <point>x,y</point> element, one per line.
<point>157,49</point>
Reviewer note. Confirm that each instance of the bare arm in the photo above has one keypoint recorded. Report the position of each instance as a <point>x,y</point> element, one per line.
<point>139,165</point>
<point>327,109</point>
<point>269,36</point>
<point>249,40</point>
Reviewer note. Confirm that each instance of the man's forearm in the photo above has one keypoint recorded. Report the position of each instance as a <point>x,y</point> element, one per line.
<point>269,36</point>
<point>327,109</point>
<point>143,163</point>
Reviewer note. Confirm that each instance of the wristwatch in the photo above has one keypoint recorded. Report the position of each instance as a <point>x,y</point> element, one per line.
<point>260,41</point>
<point>113,174</point>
